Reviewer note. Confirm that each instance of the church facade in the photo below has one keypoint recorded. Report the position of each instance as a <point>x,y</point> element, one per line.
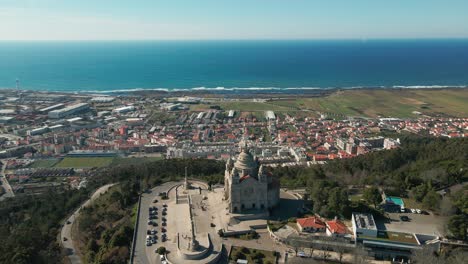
<point>247,186</point>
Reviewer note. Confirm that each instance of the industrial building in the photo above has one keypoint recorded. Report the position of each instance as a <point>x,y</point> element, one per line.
<point>51,108</point>
<point>124,109</point>
<point>69,110</point>
<point>102,99</point>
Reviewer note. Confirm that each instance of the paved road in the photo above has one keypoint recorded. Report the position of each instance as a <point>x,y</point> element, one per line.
<point>6,186</point>
<point>141,256</point>
<point>66,232</point>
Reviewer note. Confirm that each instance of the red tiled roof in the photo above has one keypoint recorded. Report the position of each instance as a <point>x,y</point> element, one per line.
<point>243,178</point>
<point>337,227</point>
<point>311,222</point>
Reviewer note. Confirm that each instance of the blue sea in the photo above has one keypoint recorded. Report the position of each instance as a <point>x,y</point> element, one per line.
<point>233,65</point>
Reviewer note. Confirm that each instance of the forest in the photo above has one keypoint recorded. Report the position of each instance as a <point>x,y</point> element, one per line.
<point>420,168</point>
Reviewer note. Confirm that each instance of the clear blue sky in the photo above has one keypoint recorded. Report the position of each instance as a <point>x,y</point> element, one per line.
<point>231,19</point>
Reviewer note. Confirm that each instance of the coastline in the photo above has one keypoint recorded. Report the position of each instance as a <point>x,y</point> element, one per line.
<point>237,92</point>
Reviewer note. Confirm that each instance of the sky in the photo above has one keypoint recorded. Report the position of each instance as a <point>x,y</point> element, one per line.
<point>231,19</point>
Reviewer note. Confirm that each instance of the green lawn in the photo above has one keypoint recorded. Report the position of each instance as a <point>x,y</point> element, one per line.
<point>355,197</point>
<point>80,162</point>
<point>250,254</point>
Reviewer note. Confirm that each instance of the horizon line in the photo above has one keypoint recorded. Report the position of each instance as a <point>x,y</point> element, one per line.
<point>237,39</point>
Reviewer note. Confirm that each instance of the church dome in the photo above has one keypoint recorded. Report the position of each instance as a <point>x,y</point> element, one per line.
<point>245,161</point>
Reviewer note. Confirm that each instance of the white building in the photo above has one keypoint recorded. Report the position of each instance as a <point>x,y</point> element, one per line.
<point>270,115</point>
<point>364,225</point>
<point>124,109</point>
<point>247,186</point>
<point>38,131</point>
<point>52,107</point>
<point>102,99</point>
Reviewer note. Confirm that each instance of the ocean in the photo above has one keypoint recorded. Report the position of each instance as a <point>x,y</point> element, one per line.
<point>233,65</point>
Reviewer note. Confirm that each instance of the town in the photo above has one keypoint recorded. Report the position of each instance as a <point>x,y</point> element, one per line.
<point>53,141</point>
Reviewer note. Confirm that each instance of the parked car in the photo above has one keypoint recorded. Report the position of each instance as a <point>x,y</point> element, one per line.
<point>404,218</point>
<point>161,257</point>
<point>413,210</point>
<point>155,200</point>
<point>418,211</point>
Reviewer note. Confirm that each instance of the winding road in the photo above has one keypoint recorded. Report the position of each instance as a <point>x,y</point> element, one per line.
<point>66,233</point>
<point>6,186</point>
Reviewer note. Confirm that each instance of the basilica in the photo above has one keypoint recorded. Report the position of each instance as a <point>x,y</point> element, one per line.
<point>247,186</point>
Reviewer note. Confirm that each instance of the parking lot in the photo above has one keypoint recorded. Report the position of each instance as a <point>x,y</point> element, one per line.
<point>417,223</point>
<point>145,253</point>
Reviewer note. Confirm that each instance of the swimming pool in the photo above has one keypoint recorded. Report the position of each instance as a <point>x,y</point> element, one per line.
<point>395,200</point>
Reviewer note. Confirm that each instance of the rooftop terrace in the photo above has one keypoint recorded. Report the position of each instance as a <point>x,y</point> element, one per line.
<point>393,237</point>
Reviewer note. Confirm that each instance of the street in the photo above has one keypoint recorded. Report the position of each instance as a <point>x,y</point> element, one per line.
<point>6,186</point>
<point>66,233</point>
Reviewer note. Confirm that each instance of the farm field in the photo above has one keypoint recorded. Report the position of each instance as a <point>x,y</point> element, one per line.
<point>389,103</point>
<point>362,103</point>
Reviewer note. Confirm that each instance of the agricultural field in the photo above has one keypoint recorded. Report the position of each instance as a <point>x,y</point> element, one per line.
<point>388,103</point>
<point>361,103</point>
<point>82,162</point>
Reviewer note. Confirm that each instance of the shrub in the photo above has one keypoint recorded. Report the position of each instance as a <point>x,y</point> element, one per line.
<point>245,250</point>
<point>161,250</point>
<point>240,255</point>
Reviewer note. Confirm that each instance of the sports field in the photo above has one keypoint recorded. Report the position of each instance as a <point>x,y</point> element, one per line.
<point>72,162</point>
<point>98,162</point>
<point>45,163</point>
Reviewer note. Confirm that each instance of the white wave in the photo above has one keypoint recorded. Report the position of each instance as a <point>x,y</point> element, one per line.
<point>429,86</point>
<point>229,89</point>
